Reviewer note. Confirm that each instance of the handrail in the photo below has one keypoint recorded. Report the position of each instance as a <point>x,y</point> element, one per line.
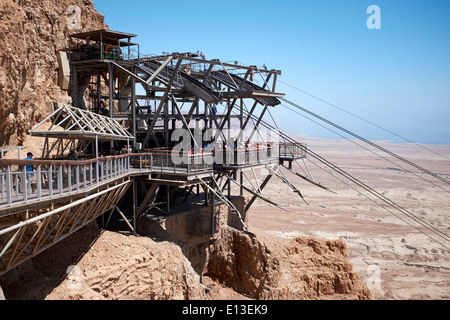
<point>58,178</point>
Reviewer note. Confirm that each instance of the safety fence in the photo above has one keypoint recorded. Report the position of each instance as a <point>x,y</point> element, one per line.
<point>26,180</point>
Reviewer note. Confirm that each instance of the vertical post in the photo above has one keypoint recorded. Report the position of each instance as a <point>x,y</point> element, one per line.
<point>60,179</point>
<point>133,109</point>
<point>99,92</point>
<point>8,184</point>
<point>274,81</point>
<point>213,220</point>
<point>229,185</point>
<point>84,176</point>
<point>111,91</point>
<point>241,182</point>
<point>75,83</point>
<point>134,205</point>
<point>77,173</point>
<point>101,45</point>
<point>166,124</point>
<point>102,169</point>
<point>3,187</point>
<point>96,156</point>
<point>24,184</point>
<point>168,198</point>
<point>50,180</point>
<point>69,178</point>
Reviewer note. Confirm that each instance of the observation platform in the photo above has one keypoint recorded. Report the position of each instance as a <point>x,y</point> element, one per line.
<point>57,180</point>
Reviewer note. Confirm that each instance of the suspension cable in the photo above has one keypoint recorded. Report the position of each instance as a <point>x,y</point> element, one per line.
<point>365,140</point>
<point>365,148</point>
<point>365,120</point>
<point>367,188</point>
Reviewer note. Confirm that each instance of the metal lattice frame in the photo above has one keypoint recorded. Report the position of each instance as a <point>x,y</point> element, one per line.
<point>25,239</point>
<point>68,122</point>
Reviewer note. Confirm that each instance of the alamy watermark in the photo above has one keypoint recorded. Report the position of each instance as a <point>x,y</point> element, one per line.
<point>374,20</point>
<point>74,19</point>
<point>373,281</point>
<point>73,281</point>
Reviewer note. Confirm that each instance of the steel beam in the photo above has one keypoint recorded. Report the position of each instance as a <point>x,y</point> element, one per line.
<point>161,105</point>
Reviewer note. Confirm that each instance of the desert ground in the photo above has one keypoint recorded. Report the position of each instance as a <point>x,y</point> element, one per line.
<point>389,252</point>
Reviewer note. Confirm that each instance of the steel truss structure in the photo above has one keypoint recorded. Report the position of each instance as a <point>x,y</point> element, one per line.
<point>125,98</point>
<point>26,234</point>
<point>153,96</point>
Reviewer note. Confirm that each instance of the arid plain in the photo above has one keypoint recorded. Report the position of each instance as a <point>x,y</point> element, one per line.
<point>393,254</point>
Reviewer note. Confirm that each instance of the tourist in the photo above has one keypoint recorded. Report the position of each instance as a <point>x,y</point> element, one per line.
<point>72,155</point>
<point>30,177</point>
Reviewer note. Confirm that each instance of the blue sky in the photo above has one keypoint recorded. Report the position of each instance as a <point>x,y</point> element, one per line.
<point>397,77</point>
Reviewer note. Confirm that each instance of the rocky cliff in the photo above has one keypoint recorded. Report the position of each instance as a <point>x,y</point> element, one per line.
<point>32,34</point>
<point>96,264</point>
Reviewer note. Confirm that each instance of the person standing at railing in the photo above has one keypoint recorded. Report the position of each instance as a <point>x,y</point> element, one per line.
<point>72,155</point>
<point>29,170</point>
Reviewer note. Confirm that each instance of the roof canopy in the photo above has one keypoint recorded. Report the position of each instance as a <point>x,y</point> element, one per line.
<point>68,122</point>
<point>106,36</point>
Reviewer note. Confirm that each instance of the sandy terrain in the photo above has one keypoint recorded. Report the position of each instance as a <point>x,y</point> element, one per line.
<point>395,260</point>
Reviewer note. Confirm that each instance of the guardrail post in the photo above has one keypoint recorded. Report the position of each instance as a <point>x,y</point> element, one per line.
<point>3,185</point>
<point>60,179</point>
<point>69,177</point>
<point>84,177</point>
<point>24,184</point>
<point>17,184</point>
<point>38,181</point>
<point>50,180</point>
<point>77,176</point>
<point>8,185</point>
<point>97,174</point>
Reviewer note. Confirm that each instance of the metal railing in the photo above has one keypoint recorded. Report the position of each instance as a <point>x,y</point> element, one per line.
<point>248,156</point>
<point>165,161</point>
<point>55,178</point>
<point>27,180</point>
<point>292,150</point>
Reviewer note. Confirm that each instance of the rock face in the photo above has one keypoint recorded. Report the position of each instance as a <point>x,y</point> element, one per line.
<point>170,260</point>
<point>96,264</point>
<point>33,32</point>
<point>264,267</point>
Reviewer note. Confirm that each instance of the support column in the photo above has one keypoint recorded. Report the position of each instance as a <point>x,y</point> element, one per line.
<point>76,87</point>
<point>133,110</point>
<point>213,218</point>
<point>134,205</point>
<point>99,92</point>
<point>111,91</point>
